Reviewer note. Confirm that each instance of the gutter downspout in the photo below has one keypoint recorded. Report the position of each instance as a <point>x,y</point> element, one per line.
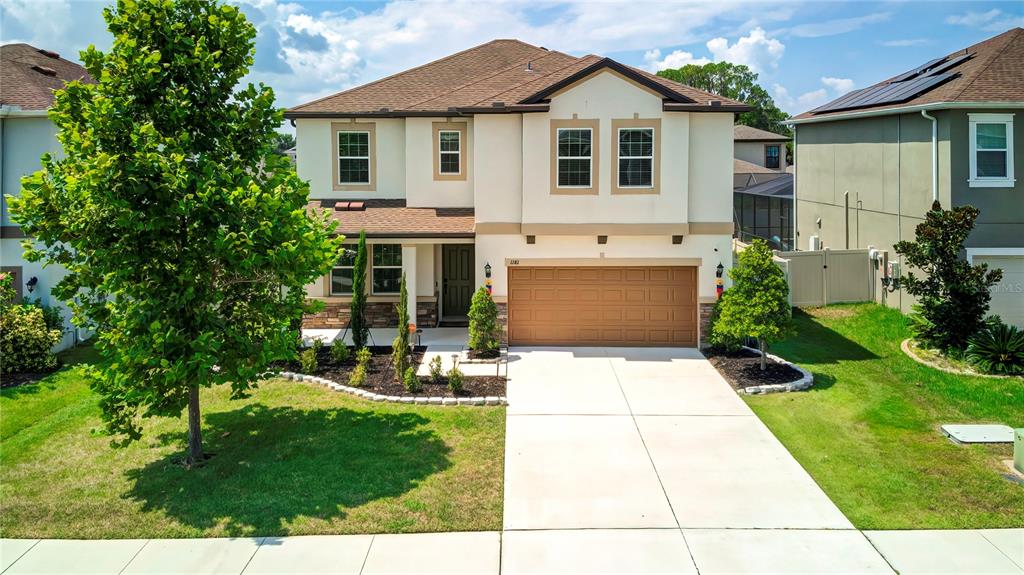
<point>935,155</point>
<point>795,242</point>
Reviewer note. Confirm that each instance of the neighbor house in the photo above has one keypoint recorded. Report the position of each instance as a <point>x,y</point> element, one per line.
<point>28,78</point>
<point>592,197</point>
<point>870,164</point>
<point>762,187</point>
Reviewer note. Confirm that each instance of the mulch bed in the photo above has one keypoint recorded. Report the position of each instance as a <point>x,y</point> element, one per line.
<point>743,369</point>
<point>16,379</point>
<point>381,377</point>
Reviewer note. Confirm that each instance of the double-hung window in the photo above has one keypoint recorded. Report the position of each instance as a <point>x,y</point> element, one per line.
<point>343,272</point>
<point>991,161</point>
<point>575,157</point>
<point>636,157</point>
<point>387,268</point>
<point>353,157</point>
<point>771,156</point>
<point>449,147</point>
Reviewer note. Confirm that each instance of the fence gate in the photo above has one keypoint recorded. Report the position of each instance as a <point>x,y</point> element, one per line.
<point>828,276</point>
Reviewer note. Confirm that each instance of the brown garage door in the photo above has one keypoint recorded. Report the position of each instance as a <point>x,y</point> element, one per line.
<point>635,306</point>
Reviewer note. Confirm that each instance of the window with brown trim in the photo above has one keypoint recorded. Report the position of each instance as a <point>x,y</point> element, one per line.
<point>343,272</point>
<point>636,166</point>
<point>450,151</point>
<point>574,156</point>
<point>386,275</point>
<point>353,155</point>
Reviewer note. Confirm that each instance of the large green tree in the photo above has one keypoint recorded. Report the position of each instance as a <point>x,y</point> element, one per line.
<point>186,237</point>
<point>738,82</point>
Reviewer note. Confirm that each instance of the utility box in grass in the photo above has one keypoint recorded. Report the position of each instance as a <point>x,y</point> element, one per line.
<point>1018,449</point>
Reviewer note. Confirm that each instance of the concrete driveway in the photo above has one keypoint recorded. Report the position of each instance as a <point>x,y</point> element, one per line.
<point>648,460</point>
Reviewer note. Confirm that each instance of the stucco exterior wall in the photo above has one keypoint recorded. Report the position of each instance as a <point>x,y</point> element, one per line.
<point>494,249</point>
<point>420,187</point>
<point>604,97</point>
<point>753,152</point>
<point>709,156</point>
<point>498,167</point>
<point>22,142</point>
<point>316,153</point>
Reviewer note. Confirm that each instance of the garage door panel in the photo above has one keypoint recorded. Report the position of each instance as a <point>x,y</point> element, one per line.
<point>603,306</point>
<point>1008,295</point>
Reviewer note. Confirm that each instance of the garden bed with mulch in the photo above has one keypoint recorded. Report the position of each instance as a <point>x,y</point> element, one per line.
<point>381,378</point>
<point>742,369</point>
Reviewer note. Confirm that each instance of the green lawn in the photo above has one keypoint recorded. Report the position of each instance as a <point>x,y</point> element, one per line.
<point>869,429</point>
<point>293,459</point>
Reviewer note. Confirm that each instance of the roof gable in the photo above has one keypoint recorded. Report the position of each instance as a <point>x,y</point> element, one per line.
<point>600,66</point>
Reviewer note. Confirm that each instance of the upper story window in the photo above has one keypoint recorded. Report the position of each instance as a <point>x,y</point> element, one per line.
<point>353,157</point>
<point>343,272</point>
<point>575,157</point>
<point>449,151</point>
<point>387,268</point>
<point>636,157</point>
<point>991,161</point>
<point>450,147</point>
<point>772,153</point>
<point>353,148</point>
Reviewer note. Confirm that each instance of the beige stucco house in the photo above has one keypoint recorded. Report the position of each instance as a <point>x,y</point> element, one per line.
<point>870,164</point>
<point>594,198</point>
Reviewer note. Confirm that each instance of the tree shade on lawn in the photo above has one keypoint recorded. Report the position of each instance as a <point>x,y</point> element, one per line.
<point>868,431</point>
<point>304,461</point>
<point>186,236</point>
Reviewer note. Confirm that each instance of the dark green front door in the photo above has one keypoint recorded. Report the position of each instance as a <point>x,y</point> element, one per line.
<point>457,278</point>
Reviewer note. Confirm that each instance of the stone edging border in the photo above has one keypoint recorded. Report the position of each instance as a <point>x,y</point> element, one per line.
<point>490,400</point>
<point>905,347</point>
<point>801,384</point>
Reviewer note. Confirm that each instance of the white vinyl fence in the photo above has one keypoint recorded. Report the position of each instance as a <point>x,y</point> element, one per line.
<point>823,277</point>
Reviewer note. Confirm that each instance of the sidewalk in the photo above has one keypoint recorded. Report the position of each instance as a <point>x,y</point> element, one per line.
<point>713,551</point>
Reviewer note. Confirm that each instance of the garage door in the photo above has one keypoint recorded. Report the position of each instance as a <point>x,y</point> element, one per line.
<point>1008,294</point>
<point>627,306</point>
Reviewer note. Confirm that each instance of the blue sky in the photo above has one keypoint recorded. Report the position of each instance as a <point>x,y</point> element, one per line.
<point>805,52</point>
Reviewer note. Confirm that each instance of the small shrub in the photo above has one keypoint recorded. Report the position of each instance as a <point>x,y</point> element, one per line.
<point>339,351</point>
<point>357,308</point>
<point>718,341</point>
<point>25,340</point>
<point>436,374</point>
<point>484,331</point>
<point>411,382</point>
<point>52,315</point>
<point>456,380</point>
<point>316,344</point>
<point>997,349</point>
<point>363,356</point>
<point>400,345</point>
<point>307,359</point>
<point>358,376</point>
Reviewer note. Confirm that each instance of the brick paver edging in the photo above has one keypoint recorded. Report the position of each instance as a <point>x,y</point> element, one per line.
<point>490,400</point>
<point>801,384</point>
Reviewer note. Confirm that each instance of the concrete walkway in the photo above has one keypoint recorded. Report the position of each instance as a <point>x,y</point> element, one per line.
<point>616,461</point>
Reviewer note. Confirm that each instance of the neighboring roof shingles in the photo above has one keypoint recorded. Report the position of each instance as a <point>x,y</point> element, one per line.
<point>25,81</point>
<point>994,74</point>
<point>507,71</point>
<point>744,167</point>
<point>781,187</point>
<point>391,218</point>
<point>750,134</point>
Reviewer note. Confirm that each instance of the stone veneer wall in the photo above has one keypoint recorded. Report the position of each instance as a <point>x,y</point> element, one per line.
<point>335,315</point>
<point>503,321</point>
<point>705,316</point>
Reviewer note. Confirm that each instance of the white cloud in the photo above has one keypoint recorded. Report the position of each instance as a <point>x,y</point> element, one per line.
<point>677,59</point>
<point>904,42</point>
<point>995,20</point>
<point>838,85</point>
<point>835,27</point>
<point>755,50</point>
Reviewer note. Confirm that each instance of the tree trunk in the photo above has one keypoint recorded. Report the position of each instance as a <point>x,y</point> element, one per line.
<point>764,358</point>
<point>195,434</point>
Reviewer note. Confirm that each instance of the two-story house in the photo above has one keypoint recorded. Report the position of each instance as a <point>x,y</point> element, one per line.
<point>592,197</point>
<point>870,164</point>
<point>762,187</point>
<point>28,78</point>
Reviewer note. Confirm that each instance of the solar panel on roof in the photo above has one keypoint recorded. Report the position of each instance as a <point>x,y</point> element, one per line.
<point>910,74</point>
<point>891,93</point>
<point>950,64</point>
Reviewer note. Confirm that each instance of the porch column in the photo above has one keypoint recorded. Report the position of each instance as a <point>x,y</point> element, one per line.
<point>409,269</point>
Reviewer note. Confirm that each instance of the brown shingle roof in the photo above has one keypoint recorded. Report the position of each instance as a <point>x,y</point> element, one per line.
<point>742,133</point>
<point>744,167</point>
<point>506,71</point>
<point>28,76</point>
<point>391,218</point>
<point>995,73</point>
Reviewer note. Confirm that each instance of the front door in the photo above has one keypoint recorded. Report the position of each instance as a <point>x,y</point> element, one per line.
<point>457,279</point>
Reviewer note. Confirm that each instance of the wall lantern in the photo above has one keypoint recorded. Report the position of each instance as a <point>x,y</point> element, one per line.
<point>719,270</point>
<point>487,282</point>
<point>487,270</point>
<point>31,283</point>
